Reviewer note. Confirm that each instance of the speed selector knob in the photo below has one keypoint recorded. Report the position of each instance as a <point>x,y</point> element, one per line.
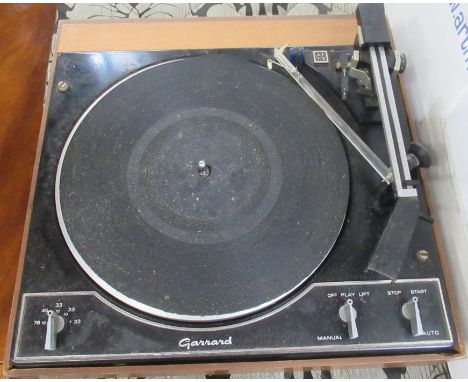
<point>410,311</point>
<point>348,314</point>
<point>55,325</point>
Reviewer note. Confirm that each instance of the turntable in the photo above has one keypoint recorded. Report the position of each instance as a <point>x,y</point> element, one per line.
<point>201,207</point>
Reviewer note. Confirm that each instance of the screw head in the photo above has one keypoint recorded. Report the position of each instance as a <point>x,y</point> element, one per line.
<point>422,255</point>
<point>62,86</point>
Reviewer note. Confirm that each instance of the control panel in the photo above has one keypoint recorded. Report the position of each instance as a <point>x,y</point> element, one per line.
<point>384,314</point>
<point>348,317</point>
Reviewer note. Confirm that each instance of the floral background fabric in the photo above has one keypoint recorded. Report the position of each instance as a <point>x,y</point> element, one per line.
<point>163,10</point>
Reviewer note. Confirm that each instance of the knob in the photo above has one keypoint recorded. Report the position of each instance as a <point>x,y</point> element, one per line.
<point>410,311</point>
<point>348,314</point>
<point>418,156</point>
<point>55,325</point>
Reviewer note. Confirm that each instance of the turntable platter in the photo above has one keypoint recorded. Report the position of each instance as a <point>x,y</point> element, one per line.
<point>202,189</point>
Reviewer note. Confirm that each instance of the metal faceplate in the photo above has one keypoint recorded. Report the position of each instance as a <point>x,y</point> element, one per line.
<point>96,330</point>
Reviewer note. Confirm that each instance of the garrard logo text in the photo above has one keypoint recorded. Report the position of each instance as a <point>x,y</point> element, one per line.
<point>188,344</point>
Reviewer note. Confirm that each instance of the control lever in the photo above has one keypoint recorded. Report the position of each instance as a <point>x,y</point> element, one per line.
<point>55,325</point>
<point>410,311</point>
<point>418,156</point>
<point>348,314</point>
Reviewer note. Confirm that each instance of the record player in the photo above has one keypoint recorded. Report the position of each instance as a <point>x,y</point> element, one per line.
<point>205,207</point>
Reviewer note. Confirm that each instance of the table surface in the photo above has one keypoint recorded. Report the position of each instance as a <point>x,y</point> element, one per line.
<point>25,45</point>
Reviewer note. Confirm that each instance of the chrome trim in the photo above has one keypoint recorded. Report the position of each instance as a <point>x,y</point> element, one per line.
<point>385,117</point>
<point>394,111</point>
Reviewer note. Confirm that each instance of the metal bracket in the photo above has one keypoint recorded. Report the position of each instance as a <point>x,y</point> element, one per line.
<point>366,152</point>
<point>391,123</point>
